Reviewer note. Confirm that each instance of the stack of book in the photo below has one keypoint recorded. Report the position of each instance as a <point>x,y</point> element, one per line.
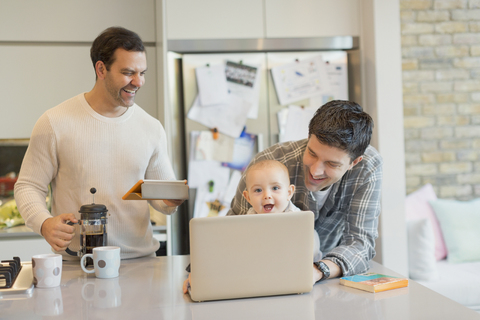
<point>374,282</point>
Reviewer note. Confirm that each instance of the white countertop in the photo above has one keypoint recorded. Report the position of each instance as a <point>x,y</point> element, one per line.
<point>152,288</point>
<point>18,232</point>
<point>25,232</point>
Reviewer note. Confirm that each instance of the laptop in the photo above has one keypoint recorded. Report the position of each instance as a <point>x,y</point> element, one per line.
<point>251,255</point>
<point>298,306</point>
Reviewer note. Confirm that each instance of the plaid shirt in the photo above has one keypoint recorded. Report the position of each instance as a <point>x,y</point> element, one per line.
<point>347,223</point>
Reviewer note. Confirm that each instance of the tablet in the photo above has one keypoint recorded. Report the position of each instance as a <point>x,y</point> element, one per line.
<point>158,190</point>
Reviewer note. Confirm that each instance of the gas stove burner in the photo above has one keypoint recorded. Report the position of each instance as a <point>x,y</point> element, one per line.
<point>16,279</point>
<point>9,270</point>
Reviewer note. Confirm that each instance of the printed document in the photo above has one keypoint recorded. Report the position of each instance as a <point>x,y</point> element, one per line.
<point>244,81</point>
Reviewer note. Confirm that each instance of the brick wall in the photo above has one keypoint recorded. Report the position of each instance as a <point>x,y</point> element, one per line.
<point>441,95</point>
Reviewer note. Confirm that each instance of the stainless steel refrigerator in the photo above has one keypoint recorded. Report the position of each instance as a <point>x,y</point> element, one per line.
<point>185,55</point>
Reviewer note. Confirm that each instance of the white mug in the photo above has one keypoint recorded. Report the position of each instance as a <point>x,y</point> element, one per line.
<point>47,270</point>
<point>106,262</point>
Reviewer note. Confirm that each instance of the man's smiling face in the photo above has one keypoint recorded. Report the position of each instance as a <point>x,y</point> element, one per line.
<point>125,77</point>
<point>324,165</point>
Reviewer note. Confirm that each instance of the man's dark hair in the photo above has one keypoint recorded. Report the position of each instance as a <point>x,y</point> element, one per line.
<point>343,125</point>
<point>111,39</point>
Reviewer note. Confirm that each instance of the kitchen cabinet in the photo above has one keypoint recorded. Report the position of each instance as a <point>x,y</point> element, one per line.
<point>253,19</point>
<point>45,78</point>
<point>214,19</point>
<point>311,18</point>
<point>73,21</point>
<point>45,53</point>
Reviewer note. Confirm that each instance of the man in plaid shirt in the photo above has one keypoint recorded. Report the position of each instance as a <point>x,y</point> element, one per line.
<point>338,176</point>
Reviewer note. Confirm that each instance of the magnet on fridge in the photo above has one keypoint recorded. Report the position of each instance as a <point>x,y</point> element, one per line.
<point>215,133</point>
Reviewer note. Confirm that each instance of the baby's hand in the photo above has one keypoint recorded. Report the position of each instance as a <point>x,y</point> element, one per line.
<point>317,274</point>
<point>186,284</point>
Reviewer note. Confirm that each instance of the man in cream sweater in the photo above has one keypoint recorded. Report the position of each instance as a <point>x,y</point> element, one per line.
<point>99,139</point>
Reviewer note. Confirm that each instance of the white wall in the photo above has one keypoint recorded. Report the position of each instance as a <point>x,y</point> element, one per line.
<point>382,86</point>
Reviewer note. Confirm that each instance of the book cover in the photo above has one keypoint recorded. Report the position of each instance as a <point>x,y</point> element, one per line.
<point>374,282</point>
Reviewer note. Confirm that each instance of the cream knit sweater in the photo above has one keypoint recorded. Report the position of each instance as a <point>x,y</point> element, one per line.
<point>74,148</point>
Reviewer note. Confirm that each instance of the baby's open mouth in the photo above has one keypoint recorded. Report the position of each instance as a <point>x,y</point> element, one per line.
<point>268,207</point>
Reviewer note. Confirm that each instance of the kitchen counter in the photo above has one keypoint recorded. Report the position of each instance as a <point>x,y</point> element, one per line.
<point>18,232</point>
<point>25,232</point>
<point>21,241</point>
<point>151,288</point>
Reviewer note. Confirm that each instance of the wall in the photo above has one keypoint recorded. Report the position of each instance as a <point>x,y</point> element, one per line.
<point>441,92</point>
<point>382,86</point>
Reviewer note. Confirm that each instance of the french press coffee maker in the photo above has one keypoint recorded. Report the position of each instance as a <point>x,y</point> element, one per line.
<point>93,222</point>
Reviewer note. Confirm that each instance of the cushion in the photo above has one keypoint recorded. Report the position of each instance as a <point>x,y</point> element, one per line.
<point>417,207</point>
<point>422,264</point>
<point>460,222</point>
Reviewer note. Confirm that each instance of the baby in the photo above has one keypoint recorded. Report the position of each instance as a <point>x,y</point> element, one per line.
<point>268,190</point>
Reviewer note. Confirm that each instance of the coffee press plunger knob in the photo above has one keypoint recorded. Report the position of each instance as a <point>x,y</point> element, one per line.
<point>92,191</point>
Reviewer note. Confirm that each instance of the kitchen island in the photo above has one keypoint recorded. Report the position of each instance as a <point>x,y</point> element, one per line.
<point>151,288</point>
<point>22,242</point>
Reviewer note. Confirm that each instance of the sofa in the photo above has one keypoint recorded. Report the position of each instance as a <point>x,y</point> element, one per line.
<point>444,245</point>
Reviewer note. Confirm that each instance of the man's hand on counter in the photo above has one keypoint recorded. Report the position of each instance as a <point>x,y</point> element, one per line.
<point>173,203</point>
<point>57,232</point>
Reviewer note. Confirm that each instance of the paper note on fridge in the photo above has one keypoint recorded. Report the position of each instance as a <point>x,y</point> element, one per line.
<point>212,84</point>
<point>208,148</point>
<point>229,118</point>
<point>210,179</point>
<point>158,190</point>
<point>296,126</point>
<point>244,81</point>
<point>300,80</point>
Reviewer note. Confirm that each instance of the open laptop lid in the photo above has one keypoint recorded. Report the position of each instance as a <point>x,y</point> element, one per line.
<point>251,255</point>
